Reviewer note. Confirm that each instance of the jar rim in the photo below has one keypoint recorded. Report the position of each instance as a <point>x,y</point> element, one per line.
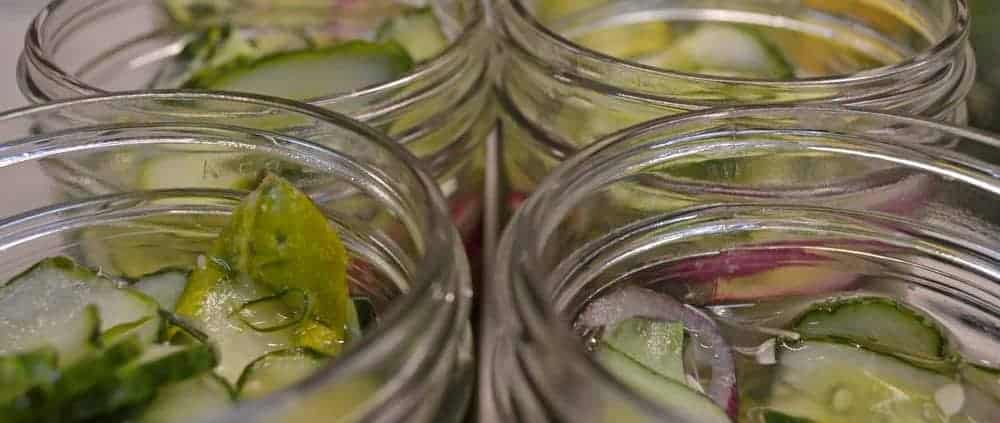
<point>956,35</point>
<point>524,239</point>
<point>35,51</point>
<point>444,268</point>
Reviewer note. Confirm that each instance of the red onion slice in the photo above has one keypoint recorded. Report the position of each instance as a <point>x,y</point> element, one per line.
<point>634,301</point>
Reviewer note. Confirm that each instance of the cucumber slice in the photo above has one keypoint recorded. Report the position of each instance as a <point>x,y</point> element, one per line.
<point>688,404</point>
<point>657,345</point>
<point>878,324</point>
<point>312,73</point>
<point>724,50</point>
<point>68,397</point>
<point>147,329</point>
<point>164,287</point>
<point>278,370</point>
<point>137,382</point>
<point>628,41</point>
<point>826,381</point>
<point>418,31</point>
<point>277,240</point>
<point>42,306</point>
<point>192,400</point>
<point>20,372</point>
<point>277,312</point>
<point>209,300</point>
<point>72,332</point>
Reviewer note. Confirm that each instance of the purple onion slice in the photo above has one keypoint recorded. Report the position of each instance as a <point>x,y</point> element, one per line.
<point>634,301</point>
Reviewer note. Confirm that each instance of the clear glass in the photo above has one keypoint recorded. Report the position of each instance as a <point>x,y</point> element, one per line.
<point>442,110</point>
<point>557,96</point>
<point>81,191</point>
<point>667,205</point>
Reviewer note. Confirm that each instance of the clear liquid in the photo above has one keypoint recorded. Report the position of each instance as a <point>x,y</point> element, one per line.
<point>760,332</point>
<point>809,40</point>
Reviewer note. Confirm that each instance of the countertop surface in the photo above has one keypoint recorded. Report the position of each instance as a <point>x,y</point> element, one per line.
<point>14,18</point>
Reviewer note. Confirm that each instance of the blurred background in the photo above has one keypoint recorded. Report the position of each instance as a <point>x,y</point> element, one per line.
<point>14,18</point>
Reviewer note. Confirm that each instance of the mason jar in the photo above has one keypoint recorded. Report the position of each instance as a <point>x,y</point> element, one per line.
<point>662,220</point>
<point>77,171</point>
<point>578,70</point>
<point>441,108</point>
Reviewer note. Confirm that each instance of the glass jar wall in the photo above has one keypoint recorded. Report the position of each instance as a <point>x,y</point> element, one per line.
<point>677,219</point>
<point>576,71</point>
<point>417,73</point>
<point>135,183</point>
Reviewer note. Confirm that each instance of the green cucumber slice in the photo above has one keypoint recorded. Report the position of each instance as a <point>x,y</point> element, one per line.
<point>305,74</point>
<point>210,308</point>
<point>73,333</point>
<point>687,403</point>
<point>825,381</point>
<point>146,329</point>
<point>137,381</point>
<point>41,306</point>
<point>280,311</point>
<point>68,396</point>
<point>724,50</point>
<point>20,372</point>
<point>878,324</point>
<point>418,31</point>
<point>164,287</point>
<point>276,241</point>
<point>120,391</point>
<point>657,345</point>
<point>278,370</point>
<point>192,400</point>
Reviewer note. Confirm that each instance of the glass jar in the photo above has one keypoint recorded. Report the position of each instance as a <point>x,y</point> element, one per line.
<point>80,167</point>
<point>565,83</point>
<point>442,109</point>
<point>666,206</point>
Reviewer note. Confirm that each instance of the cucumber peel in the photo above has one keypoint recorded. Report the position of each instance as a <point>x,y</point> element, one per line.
<point>20,372</point>
<point>277,241</point>
<point>278,370</point>
<point>877,324</point>
<point>68,396</point>
<point>44,305</point>
<point>309,73</point>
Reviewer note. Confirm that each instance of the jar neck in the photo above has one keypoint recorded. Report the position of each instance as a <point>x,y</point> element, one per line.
<point>419,108</point>
<point>616,214</point>
<point>542,59</point>
<point>409,256</point>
